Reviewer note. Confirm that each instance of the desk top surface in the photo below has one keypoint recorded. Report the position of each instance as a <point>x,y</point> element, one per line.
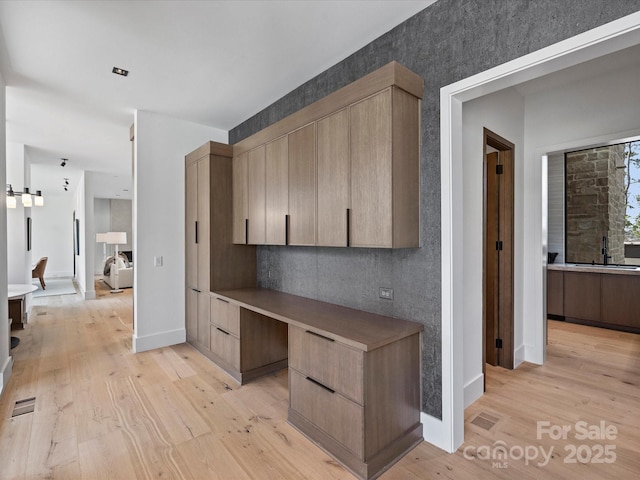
<point>363,330</point>
<point>17,290</point>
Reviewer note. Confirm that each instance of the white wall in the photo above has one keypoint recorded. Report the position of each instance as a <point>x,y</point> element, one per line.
<point>161,144</point>
<point>555,205</point>
<point>52,234</point>
<point>102,224</point>
<point>502,113</point>
<point>6,362</point>
<point>18,175</point>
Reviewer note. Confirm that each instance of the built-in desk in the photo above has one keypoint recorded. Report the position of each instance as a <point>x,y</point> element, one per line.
<point>354,376</point>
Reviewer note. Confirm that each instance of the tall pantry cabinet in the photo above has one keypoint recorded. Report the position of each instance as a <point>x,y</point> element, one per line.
<point>212,261</point>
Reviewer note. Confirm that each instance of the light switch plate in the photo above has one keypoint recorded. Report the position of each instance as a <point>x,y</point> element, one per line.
<point>157,261</point>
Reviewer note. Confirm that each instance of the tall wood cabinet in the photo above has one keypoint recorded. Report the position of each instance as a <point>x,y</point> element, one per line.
<point>212,261</point>
<point>353,169</point>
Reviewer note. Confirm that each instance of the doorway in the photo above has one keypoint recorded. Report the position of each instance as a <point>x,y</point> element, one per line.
<point>497,318</point>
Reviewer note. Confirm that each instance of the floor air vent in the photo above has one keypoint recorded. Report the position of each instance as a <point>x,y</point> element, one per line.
<point>485,420</point>
<point>21,407</point>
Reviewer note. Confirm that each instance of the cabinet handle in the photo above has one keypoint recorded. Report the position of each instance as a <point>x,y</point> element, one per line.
<point>226,333</point>
<point>196,231</point>
<point>222,300</point>
<point>246,231</point>
<point>196,290</point>
<point>348,227</point>
<point>318,335</point>
<point>330,390</point>
<point>287,220</point>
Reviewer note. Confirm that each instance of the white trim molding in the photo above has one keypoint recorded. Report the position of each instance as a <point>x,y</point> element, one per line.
<point>158,340</point>
<point>448,433</point>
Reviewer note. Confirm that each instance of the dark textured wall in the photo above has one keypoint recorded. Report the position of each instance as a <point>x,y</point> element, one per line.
<point>446,42</point>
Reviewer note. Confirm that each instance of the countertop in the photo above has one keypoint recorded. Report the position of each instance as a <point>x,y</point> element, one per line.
<point>363,330</point>
<point>572,267</point>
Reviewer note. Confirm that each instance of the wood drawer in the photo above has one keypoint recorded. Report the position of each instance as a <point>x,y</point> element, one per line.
<point>225,315</point>
<point>226,346</point>
<point>332,413</point>
<point>337,366</point>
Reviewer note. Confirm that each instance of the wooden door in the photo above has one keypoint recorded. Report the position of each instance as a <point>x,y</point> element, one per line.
<point>333,179</point>
<point>302,186</point>
<point>204,225</point>
<point>277,191</point>
<point>498,252</point>
<point>191,217</point>
<point>371,191</point>
<point>256,185</point>
<point>240,199</point>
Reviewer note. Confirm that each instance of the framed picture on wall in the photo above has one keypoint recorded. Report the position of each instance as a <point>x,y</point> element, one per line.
<point>28,234</point>
<point>76,236</point>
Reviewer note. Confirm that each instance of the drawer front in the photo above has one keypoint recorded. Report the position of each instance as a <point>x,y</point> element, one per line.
<point>225,315</point>
<point>335,365</point>
<point>226,346</point>
<point>337,416</point>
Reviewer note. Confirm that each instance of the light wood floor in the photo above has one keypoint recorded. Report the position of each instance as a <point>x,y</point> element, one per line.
<point>103,412</point>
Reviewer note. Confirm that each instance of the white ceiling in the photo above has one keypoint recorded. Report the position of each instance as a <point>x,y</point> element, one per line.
<point>212,62</point>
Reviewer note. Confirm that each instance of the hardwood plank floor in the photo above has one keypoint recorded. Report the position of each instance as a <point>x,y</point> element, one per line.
<point>103,412</point>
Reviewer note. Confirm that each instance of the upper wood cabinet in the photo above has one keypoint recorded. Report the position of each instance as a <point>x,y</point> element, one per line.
<point>332,147</point>
<point>277,191</point>
<point>191,219</point>
<point>240,198</point>
<point>256,184</point>
<point>302,186</point>
<point>353,169</point>
<point>385,173</point>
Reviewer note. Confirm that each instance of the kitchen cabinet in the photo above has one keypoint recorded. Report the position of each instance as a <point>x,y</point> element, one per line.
<point>600,296</point>
<point>353,168</point>
<point>555,292</point>
<point>582,295</point>
<point>621,300</point>
<point>256,185</point>
<point>240,199</point>
<point>211,260</point>
<point>277,191</point>
<point>302,186</point>
<point>385,171</point>
<point>333,179</point>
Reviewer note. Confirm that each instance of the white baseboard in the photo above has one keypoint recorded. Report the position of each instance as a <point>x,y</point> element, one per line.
<point>5,373</point>
<point>532,355</point>
<point>473,390</point>
<point>58,274</point>
<point>158,340</point>
<point>435,432</point>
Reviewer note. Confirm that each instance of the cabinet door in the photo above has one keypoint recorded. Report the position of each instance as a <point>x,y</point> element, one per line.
<point>302,186</point>
<point>333,179</point>
<point>191,314</point>
<point>582,296</point>
<point>555,292</point>
<point>277,191</point>
<point>204,315</point>
<point>621,299</point>
<point>204,225</point>
<point>371,191</point>
<point>191,217</point>
<point>240,200</point>
<point>256,185</point>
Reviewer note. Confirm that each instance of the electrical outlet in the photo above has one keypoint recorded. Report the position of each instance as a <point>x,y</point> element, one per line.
<point>386,293</point>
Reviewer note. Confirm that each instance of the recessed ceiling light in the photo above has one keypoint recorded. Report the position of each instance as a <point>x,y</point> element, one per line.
<point>120,71</point>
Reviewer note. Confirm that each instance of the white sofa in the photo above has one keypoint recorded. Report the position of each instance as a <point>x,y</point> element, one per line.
<point>125,275</point>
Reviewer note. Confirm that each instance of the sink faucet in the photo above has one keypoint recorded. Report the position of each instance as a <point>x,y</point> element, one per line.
<point>605,256</point>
